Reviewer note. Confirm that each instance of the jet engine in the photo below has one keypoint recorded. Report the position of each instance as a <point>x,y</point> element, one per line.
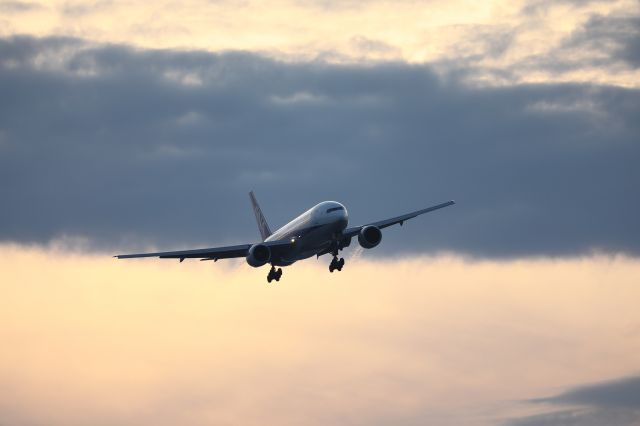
<point>258,255</point>
<point>369,236</point>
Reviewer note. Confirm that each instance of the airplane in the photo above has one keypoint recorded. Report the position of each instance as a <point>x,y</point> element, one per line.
<point>320,230</point>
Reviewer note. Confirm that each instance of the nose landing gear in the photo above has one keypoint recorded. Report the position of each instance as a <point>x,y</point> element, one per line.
<point>274,274</point>
<point>336,264</point>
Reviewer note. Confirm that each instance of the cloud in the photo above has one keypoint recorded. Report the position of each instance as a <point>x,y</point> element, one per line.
<point>581,417</point>
<point>509,41</point>
<point>75,10</point>
<point>18,6</point>
<point>133,147</point>
<point>542,7</point>
<point>602,42</point>
<point>614,402</point>
<point>624,392</point>
<point>612,37</point>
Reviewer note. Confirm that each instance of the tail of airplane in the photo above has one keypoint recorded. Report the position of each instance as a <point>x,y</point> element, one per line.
<point>263,226</point>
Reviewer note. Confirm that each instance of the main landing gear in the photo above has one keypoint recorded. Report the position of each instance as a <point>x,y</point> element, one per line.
<point>274,274</point>
<point>336,264</point>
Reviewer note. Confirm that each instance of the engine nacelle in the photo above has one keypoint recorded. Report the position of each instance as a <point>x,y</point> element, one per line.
<point>258,255</point>
<point>369,236</point>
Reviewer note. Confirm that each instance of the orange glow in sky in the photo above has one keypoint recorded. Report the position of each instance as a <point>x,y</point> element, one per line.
<point>93,340</point>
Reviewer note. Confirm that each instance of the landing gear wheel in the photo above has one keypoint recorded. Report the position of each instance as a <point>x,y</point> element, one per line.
<point>274,274</point>
<point>336,264</point>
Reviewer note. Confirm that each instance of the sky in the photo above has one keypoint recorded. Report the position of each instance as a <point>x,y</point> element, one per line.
<point>130,126</point>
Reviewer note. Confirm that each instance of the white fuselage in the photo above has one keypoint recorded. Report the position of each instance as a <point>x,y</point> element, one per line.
<point>311,233</point>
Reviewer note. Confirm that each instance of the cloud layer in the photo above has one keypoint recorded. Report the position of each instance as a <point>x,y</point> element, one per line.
<point>157,147</point>
<point>613,402</point>
<point>505,41</point>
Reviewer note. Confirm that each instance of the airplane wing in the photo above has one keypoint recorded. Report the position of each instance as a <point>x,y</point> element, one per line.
<point>213,253</point>
<point>350,232</point>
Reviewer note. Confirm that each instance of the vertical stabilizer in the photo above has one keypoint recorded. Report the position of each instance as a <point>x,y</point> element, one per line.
<point>263,226</point>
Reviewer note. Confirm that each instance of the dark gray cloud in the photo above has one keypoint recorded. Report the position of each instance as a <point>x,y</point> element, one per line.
<point>130,147</point>
<point>581,417</point>
<point>623,392</point>
<point>539,7</point>
<point>614,38</point>
<point>610,43</point>
<point>615,403</point>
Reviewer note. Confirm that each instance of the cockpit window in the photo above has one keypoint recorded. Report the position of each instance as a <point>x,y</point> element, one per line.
<point>333,209</point>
